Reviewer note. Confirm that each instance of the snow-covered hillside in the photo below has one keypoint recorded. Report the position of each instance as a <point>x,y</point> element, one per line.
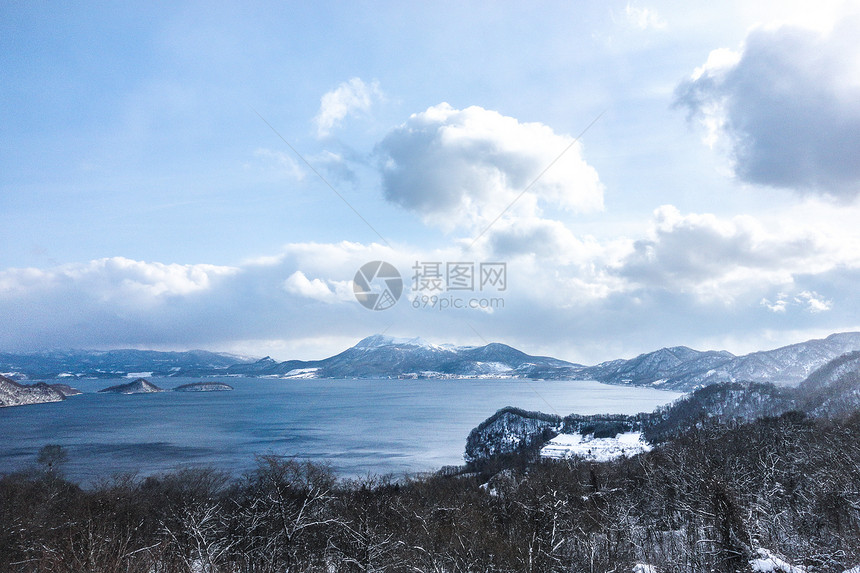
<point>15,394</point>
<point>684,369</point>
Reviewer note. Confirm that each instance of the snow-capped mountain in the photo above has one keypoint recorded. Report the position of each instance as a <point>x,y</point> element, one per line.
<point>681,368</point>
<point>381,356</point>
<point>786,366</point>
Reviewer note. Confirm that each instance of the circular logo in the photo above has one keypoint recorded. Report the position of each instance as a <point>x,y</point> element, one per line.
<point>377,285</point>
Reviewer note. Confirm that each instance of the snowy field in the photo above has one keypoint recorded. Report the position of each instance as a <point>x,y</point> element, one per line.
<point>566,446</point>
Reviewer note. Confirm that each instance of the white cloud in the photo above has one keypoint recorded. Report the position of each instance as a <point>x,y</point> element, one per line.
<point>346,99</point>
<point>813,301</point>
<point>820,15</point>
<point>569,293</point>
<point>297,283</point>
<point>462,168</point>
<point>722,259</point>
<point>122,302</point>
<point>117,278</point>
<point>779,305</point>
<point>809,301</point>
<point>787,107</point>
<point>644,18</point>
<point>329,291</point>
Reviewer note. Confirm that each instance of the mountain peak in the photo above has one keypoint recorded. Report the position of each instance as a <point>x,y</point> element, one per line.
<point>380,340</point>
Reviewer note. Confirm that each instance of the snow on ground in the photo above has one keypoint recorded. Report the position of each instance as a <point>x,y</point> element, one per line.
<point>599,449</point>
<point>768,562</point>
<point>301,373</point>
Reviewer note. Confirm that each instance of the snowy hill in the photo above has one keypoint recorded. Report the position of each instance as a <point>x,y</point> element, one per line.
<point>386,357</point>
<point>516,431</point>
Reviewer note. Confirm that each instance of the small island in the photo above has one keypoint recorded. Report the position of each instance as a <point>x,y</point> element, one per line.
<point>203,387</point>
<point>139,386</point>
<point>14,394</point>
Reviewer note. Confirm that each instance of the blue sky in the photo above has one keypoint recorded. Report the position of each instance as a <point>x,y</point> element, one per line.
<point>147,200</point>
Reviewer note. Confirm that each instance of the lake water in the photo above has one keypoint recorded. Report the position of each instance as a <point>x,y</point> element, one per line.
<point>359,426</point>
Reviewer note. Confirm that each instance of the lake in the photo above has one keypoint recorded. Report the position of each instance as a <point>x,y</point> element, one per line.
<point>359,426</point>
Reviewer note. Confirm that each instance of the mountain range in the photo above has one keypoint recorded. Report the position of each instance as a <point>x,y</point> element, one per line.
<point>106,364</point>
<point>677,368</point>
<point>684,369</point>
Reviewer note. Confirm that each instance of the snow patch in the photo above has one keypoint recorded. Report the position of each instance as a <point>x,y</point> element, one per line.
<point>768,562</point>
<point>301,373</point>
<point>565,446</point>
<point>380,340</point>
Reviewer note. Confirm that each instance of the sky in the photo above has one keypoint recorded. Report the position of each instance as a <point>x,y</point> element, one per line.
<point>587,180</point>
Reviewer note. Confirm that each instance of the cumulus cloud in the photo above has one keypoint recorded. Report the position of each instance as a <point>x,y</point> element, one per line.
<point>122,302</point>
<point>813,301</point>
<point>563,301</point>
<point>721,259</point>
<point>346,99</point>
<point>810,301</point>
<point>777,305</point>
<point>462,168</point>
<point>117,278</point>
<point>787,106</point>
<point>298,283</point>
<point>317,289</point>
